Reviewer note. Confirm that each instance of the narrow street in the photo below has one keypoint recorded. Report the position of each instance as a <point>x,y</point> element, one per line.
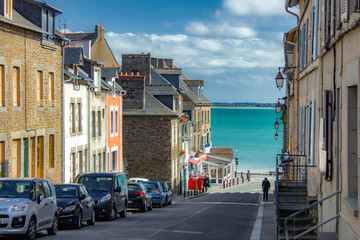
<point>224,214</point>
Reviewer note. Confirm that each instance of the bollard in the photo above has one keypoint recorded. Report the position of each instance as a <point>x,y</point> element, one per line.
<point>248,176</point>
<point>237,181</point>
<point>233,183</point>
<point>242,179</point>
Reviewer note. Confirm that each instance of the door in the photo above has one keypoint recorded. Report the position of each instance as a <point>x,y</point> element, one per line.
<point>84,203</point>
<point>118,198</point>
<point>42,206</point>
<point>50,204</point>
<point>40,157</point>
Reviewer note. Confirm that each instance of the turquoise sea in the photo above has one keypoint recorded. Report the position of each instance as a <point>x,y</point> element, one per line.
<point>250,132</point>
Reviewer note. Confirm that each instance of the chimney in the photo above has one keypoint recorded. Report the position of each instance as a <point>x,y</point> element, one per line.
<point>169,62</point>
<point>134,99</point>
<point>138,63</point>
<point>99,31</point>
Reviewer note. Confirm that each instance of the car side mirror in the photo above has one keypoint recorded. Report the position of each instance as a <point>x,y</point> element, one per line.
<point>40,198</point>
<point>82,196</point>
<point>118,189</point>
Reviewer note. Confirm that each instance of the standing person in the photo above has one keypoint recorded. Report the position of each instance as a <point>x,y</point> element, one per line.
<point>206,182</point>
<point>265,188</point>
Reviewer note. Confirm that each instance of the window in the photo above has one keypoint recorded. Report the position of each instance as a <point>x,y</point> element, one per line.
<point>52,89</point>
<point>8,8</point>
<point>2,86</point>
<point>99,123</point>
<point>51,151</point>
<point>16,86</point>
<point>93,124</point>
<point>114,160</point>
<point>311,133</point>
<point>352,146</point>
<point>80,155</point>
<point>97,79</point>
<point>73,166</point>
<point>99,164</point>
<point>2,159</point>
<point>72,117</point>
<point>111,121</point>
<point>301,129</point>
<point>48,25</point>
<point>16,159</point>
<point>79,117</point>
<point>116,121</point>
<point>327,132</point>
<point>40,89</point>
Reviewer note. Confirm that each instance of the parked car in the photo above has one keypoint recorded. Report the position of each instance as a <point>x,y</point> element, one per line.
<point>75,205</point>
<point>139,197</point>
<point>138,179</point>
<point>157,193</point>
<point>27,205</point>
<point>109,191</point>
<point>168,192</point>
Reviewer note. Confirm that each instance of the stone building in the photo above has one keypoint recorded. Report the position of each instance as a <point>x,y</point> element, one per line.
<point>31,66</point>
<point>322,68</point>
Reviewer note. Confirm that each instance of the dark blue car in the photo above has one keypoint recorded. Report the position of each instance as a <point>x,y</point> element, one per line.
<point>157,193</point>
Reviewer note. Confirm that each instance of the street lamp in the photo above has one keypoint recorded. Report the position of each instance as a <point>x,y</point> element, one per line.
<point>279,79</point>
<point>276,125</point>
<point>278,107</point>
<point>276,136</point>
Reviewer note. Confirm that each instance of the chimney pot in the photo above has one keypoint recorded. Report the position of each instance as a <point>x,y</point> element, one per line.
<point>132,73</point>
<point>125,74</point>
<point>137,74</point>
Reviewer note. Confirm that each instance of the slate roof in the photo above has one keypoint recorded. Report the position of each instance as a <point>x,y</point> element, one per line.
<point>82,36</point>
<point>109,72</point>
<point>156,77</point>
<point>157,90</point>
<point>74,56</point>
<point>153,107</point>
<point>70,74</point>
<point>19,21</point>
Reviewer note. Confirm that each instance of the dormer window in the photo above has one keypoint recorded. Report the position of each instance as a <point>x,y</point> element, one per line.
<point>8,8</point>
<point>48,25</point>
<point>97,79</point>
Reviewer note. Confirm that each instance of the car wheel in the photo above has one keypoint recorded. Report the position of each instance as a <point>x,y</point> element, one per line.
<point>92,219</point>
<point>78,221</point>
<point>54,226</point>
<point>123,213</point>
<point>150,207</point>
<point>31,232</point>
<point>112,214</point>
<point>144,208</point>
<point>164,204</point>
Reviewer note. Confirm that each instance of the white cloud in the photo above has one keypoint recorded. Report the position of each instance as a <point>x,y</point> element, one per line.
<point>254,7</point>
<point>222,29</point>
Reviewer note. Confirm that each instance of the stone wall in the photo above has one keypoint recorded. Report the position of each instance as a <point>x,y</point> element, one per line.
<point>147,147</point>
<point>23,49</point>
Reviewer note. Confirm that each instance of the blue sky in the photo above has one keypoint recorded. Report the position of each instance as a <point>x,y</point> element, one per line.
<point>234,45</point>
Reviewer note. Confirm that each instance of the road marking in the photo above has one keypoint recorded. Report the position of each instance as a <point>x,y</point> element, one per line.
<point>187,232</point>
<point>226,203</point>
<point>256,232</point>
<point>156,232</point>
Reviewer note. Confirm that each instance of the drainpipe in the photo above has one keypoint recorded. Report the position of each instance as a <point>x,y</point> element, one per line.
<point>63,113</point>
<point>89,133</point>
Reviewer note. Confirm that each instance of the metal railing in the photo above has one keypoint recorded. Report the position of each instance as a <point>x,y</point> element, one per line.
<point>305,209</point>
<point>291,170</point>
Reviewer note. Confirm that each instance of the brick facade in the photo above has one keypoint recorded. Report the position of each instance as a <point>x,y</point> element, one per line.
<point>23,49</point>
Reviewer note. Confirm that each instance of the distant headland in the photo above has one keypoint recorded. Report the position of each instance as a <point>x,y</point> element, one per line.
<point>244,104</point>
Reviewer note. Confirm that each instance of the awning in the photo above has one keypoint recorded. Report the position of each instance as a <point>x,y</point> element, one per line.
<point>194,161</point>
<point>203,158</point>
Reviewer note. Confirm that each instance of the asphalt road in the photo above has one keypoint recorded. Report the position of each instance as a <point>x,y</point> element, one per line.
<point>214,216</point>
<point>224,214</point>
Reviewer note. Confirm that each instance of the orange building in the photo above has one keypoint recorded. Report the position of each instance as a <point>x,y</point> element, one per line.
<point>114,123</point>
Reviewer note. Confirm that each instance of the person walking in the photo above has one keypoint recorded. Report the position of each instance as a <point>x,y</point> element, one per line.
<point>206,182</point>
<point>265,188</point>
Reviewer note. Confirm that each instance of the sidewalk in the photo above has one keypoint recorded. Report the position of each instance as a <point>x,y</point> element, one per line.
<point>265,224</point>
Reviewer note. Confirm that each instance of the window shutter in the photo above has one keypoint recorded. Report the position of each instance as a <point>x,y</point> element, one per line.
<point>316,27</point>
<point>312,35</point>
<point>344,10</point>
<point>312,138</point>
<point>306,42</point>
<point>332,18</point>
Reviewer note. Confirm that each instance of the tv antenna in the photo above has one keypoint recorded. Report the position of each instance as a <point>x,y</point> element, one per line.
<point>63,25</point>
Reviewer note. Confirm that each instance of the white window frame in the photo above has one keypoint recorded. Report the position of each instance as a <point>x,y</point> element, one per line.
<point>116,122</point>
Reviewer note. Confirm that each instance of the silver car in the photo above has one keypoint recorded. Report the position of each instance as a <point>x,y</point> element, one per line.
<point>27,205</point>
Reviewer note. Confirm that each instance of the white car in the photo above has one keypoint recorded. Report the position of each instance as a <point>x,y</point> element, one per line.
<point>27,205</point>
<point>138,179</point>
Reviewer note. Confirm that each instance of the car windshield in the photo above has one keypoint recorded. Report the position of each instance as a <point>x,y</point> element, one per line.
<point>134,188</point>
<point>15,189</point>
<point>66,191</point>
<point>97,183</point>
<point>151,186</point>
